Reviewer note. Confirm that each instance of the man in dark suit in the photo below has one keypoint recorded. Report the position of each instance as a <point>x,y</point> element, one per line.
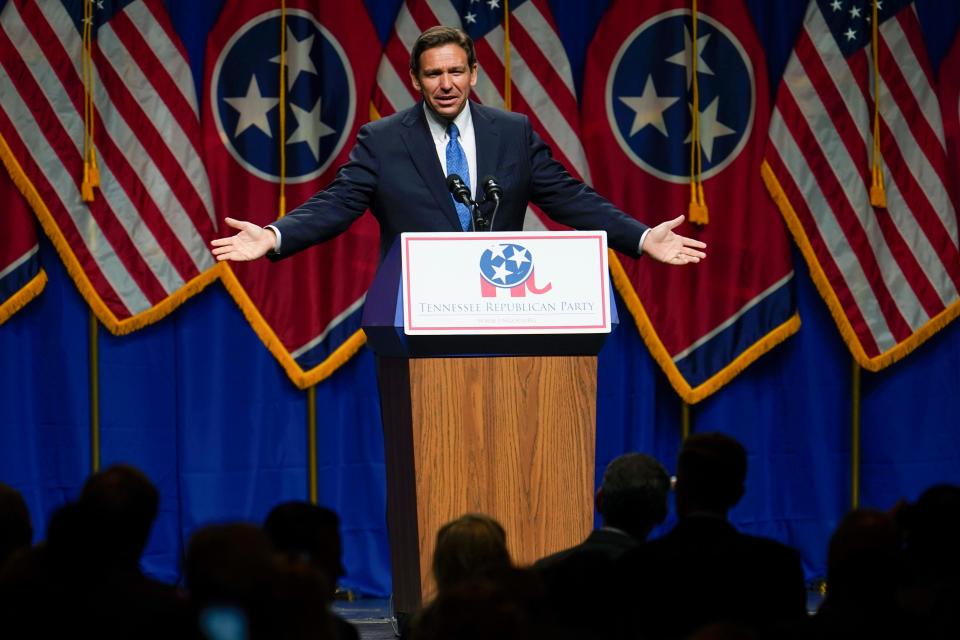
<point>632,500</point>
<point>705,571</point>
<point>399,167</point>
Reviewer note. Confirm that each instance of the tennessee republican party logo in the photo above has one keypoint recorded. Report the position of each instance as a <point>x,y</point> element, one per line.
<point>320,96</point>
<point>508,266</point>
<point>648,87</point>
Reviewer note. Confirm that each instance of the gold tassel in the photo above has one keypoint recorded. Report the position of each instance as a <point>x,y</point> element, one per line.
<point>94,171</point>
<point>86,189</point>
<point>878,195</point>
<point>698,212</point>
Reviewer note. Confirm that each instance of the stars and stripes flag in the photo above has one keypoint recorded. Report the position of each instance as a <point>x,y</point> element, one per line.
<point>541,82</point>
<point>21,277</point>
<point>305,308</point>
<point>950,107</point>
<point>889,274</point>
<point>702,324</point>
<point>139,247</point>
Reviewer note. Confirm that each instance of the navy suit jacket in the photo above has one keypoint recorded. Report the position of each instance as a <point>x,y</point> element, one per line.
<point>706,571</point>
<point>394,171</point>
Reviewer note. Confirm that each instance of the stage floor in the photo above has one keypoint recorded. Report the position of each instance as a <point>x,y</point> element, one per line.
<point>374,620</point>
<point>371,616</point>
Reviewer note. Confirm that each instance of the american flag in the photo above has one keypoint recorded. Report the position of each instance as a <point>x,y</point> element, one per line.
<point>140,247</point>
<point>541,79</point>
<point>950,106</point>
<point>889,275</point>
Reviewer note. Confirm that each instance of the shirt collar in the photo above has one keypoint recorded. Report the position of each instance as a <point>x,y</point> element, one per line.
<point>438,126</point>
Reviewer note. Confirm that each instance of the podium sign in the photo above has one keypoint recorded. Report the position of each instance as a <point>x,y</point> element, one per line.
<point>505,283</point>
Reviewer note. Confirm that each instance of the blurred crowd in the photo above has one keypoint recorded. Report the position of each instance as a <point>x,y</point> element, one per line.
<point>890,574</point>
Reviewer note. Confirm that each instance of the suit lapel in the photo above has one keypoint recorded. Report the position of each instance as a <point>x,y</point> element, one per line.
<point>423,152</point>
<point>488,141</point>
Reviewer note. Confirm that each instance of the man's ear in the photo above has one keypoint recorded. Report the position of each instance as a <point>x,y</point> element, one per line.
<point>414,81</point>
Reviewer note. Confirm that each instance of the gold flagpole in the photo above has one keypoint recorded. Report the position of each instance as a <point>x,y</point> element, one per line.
<point>684,420</point>
<point>855,437</point>
<point>94,395</point>
<point>507,80</point>
<point>312,441</point>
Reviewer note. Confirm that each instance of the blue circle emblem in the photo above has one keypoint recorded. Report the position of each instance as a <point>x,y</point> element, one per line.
<point>320,96</point>
<point>649,89</point>
<point>506,265</point>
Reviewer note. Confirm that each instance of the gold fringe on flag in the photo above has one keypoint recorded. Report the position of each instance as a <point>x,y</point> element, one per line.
<point>878,195</point>
<point>699,214</point>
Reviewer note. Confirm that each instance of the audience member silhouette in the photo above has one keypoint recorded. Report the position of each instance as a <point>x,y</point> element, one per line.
<point>705,571</point>
<point>470,565</point>
<point>863,573</point>
<point>232,572</point>
<point>931,531</point>
<point>474,545</point>
<point>16,531</point>
<point>86,577</point>
<point>304,532</point>
<point>632,500</point>
<point>506,604</point>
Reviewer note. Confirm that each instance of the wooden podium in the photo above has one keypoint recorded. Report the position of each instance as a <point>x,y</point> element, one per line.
<point>511,435</point>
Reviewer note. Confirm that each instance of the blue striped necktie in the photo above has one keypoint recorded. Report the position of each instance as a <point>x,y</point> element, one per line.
<point>457,163</point>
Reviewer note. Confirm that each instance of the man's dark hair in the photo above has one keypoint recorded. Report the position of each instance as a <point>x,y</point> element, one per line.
<point>633,495</point>
<point>437,37</point>
<point>309,532</point>
<point>472,545</point>
<point>121,503</point>
<point>712,469</point>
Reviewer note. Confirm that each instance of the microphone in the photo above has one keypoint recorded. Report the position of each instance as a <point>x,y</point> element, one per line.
<point>493,191</point>
<point>459,190</point>
<point>492,188</point>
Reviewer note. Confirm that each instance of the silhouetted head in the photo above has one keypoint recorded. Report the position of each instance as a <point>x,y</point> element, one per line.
<point>304,531</point>
<point>472,545</point>
<point>229,563</point>
<point>16,531</point>
<point>509,605</point>
<point>633,496</point>
<point>862,560</point>
<point>120,503</point>
<point>711,471</point>
<point>931,529</point>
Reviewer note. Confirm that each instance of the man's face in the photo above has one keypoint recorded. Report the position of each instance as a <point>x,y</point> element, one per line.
<point>445,79</point>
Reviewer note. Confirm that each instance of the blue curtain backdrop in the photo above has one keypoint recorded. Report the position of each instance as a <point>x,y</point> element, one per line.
<point>199,404</point>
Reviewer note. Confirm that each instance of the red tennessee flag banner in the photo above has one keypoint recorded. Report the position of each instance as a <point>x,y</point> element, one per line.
<point>704,323</point>
<point>538,81</point>
<point>21,277</point>
<point>99,129</point>
<point>306,308</point>
<point>872,214</point>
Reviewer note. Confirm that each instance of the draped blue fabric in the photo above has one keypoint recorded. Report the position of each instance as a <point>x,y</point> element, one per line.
<point>200,405</point>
